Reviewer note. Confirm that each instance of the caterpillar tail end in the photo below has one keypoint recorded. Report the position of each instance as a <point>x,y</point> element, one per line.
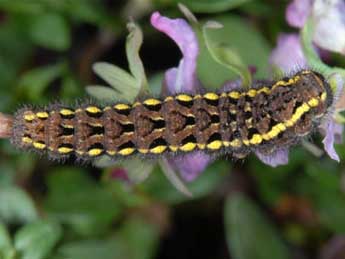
<point>6,126</point>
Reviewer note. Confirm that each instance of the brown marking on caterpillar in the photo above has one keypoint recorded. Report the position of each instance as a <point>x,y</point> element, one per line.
<point>265,117</point>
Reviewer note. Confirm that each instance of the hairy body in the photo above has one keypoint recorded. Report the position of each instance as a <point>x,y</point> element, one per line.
<point>263,118</point>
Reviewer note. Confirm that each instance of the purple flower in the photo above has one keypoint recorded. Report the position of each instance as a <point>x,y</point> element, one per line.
<point>182,79</point>
<point>328,19</point>
<point>288,55</point>
<point>297,12</point>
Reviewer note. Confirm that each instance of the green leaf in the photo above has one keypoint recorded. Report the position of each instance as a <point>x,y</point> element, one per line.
<point>214,6</point>
<point>251,46</point>
<point>249,234</point>
<point>138,170</point>
<point>139,239</point>
<point>125,85</point>
<point>160,188</point>
<point>6,249</point>
<point>36,240</point>
<point>16,206</point>
<point>136,239</point>
<point>227,56</point>
<point>35,81</point>
<point>74,199</point>
<point>51,31</point>
<point>102,93</point>
<point>133,45</point>
<point>90,249</point>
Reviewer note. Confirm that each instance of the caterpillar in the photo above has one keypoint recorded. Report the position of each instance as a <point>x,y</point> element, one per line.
<point>262,118</point>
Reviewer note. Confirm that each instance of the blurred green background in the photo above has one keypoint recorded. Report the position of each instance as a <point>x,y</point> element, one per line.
<point>239,210</point>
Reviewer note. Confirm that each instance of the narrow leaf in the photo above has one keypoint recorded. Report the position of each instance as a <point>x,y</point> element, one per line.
<point>15,205</point>
<point>36,240</point>
<point>133,45</point>
<point>173,178</point>
<point>103,93</point>
<point>226,56</point>
<point>249,234</point>
<point>119,79</point>
<point>6,249</point>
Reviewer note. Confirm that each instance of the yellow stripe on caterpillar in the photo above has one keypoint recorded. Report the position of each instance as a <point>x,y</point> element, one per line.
<point>95,152</point>
<point>66,112</point>
<point>42,115</point>
<point>39,145</point>
<point>158,150</point>
<point>65,150</point>
<point>93,109</point>
<point>126,151</point>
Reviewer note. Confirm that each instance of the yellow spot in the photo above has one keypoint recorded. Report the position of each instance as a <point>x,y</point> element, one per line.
<point>66,112</point>
<point>256,139</point>
<point>183,98</point>
<point>136,104</point>
<point>235,143</point>
<point>246,142</point>
<point>158,150</point>
<point>152,102</point>
<point>226,143</point>
<point>251,93</point>
<point>79,110</point>
<point>26,140</point>
<point>126,151</point>
<point>65,150</point>
<point>201,145</point>
<point>211,96</point>
<point>29,117</point>
<point>198,96</point>
<point>173,148</point>
<point>169,98</point>
<point>107,108</point>
<point>247,107</point>
<point>234,95</point>
<point>223,95</point>
<point>67,126</point>
<point>121,106</point>
<point>323,96</point>
<point>39,145</point>
<point>188,147</point>
<point>214,145</point>
<point>143,150</point>
<point>313,102</point>
<point>111,152</point>
<point>95,152</point>
<point>93,109</point>
<point>42,115</point>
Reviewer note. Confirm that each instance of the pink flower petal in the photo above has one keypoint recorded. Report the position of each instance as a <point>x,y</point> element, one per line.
<point>190,166</point>
<point>278,157</point>
<point>328,141</point>
<point>297,12</point>
<point>329,23</point>
<point>182,33</point>
<point>288,55</point>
